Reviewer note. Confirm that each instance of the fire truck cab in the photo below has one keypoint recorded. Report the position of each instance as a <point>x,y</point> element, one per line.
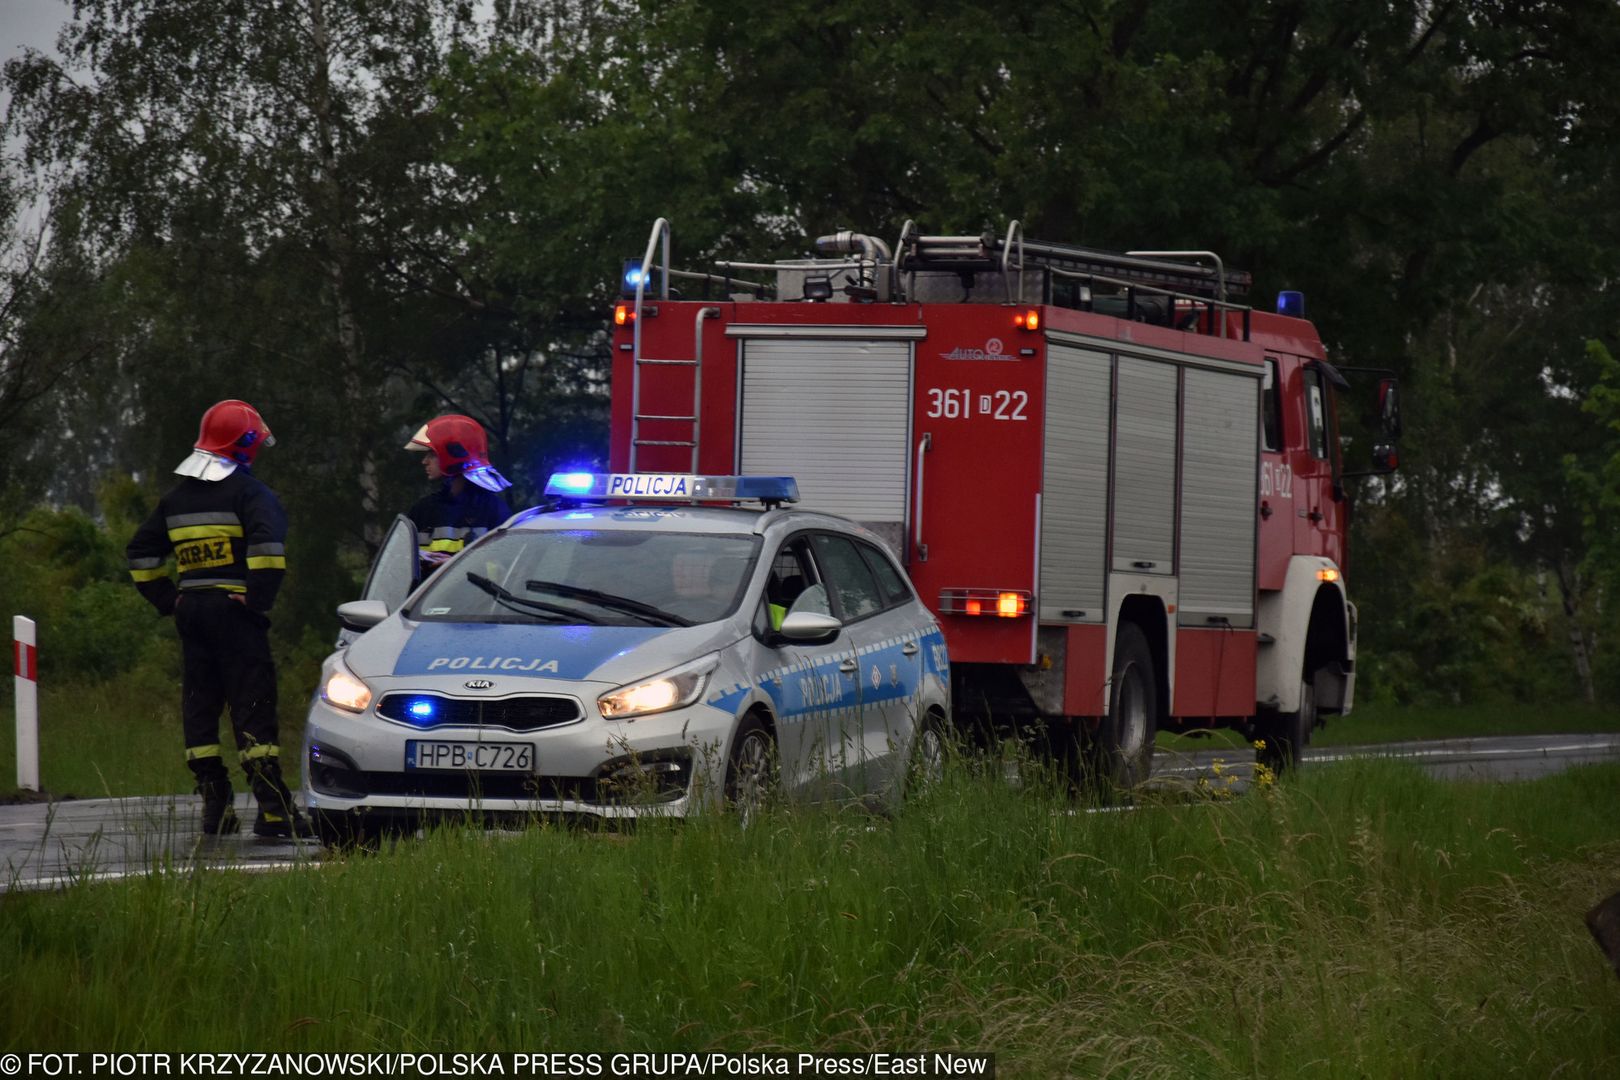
<point>1120,488</point>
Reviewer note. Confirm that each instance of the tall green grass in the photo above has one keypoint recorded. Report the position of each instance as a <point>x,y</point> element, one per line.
<point>1360,921</point>
<point>122,736</point>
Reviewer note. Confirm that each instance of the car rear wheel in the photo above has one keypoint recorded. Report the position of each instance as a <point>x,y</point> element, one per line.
<point>751,770</point>
<point>926,765</point>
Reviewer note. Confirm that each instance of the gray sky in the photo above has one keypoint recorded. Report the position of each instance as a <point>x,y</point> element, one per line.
<point>30,22</point>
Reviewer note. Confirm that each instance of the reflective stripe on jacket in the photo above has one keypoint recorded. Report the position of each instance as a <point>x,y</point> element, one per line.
<point>227,534</point>
<point>447,523</point>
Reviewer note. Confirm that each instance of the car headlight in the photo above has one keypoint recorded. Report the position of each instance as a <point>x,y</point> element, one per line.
<point>673,689</point>
<point>345,691</point>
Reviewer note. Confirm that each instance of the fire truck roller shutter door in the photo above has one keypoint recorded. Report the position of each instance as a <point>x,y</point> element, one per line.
<point>833,414</point>
<point>1144,466</point>
<point>1074,484</point>
<point>1220,470</point>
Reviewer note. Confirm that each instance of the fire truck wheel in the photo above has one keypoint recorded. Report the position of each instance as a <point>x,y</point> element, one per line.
<point>1122,749</point>
<point>1287,734</point>
<point>751,771</point>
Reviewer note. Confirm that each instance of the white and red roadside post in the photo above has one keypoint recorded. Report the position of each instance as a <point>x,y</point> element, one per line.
<point>27,656</point>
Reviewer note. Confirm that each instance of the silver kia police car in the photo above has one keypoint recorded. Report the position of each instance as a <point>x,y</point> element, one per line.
<point>653,653</point>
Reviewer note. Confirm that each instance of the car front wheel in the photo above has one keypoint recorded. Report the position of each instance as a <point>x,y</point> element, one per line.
<point>751,770</point>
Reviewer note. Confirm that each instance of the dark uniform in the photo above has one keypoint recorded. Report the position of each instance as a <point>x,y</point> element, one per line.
<point>447,522</point>
<point>227,537</point>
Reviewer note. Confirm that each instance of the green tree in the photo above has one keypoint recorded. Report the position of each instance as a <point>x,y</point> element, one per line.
<point>361,214</point>
<point>251,179</point>
<point>1596,482</point>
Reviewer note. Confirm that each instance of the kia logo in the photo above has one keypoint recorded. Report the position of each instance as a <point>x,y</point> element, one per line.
<point>479,684</point>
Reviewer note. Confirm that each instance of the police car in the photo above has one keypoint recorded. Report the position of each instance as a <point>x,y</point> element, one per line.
<point>657,653</point>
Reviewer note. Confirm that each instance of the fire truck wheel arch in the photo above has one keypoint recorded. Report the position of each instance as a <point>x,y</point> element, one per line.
<point>1307,619</point>
<point>1143,601</point>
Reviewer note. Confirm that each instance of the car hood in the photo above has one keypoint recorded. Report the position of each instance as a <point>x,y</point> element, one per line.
<point>608,654</point>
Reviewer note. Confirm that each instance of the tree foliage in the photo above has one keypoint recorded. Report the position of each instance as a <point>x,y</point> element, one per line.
<point>359,214</point>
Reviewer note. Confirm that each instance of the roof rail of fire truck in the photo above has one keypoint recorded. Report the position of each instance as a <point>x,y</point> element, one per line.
<point>1193,293</point>
<point>1151,286</point>
<point>989,252</point>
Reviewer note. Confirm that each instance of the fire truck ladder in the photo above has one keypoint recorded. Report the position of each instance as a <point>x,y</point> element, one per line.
<point>640,363</point>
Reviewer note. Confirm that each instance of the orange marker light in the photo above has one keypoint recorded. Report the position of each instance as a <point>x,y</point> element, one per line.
<point>1006,603</point>
<point>1327,575</point>
<point>1028,320</point>
<point>622,314</point>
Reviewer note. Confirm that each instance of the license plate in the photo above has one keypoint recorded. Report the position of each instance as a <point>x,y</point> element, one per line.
<point>475,756</point>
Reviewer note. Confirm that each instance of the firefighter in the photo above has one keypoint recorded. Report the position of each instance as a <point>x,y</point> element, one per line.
<point>225,531</point>
<point>468,502</point>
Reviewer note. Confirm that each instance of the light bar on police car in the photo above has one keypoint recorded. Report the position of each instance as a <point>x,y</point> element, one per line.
<point>685,487</point>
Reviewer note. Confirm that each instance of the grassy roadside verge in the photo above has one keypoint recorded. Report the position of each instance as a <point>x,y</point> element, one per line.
<point>1373,724</point>
<point>1363,921</point>
<point>122,737</point>
<point>1398,723</point>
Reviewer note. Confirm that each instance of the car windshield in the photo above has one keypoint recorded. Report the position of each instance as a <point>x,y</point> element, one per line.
<point>593,577</point>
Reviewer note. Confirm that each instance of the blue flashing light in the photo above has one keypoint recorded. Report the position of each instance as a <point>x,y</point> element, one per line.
<point>1291,302</point>
<point>635,275</point>
<point>572,483</point>
<point>421,709</point>
<point>771,488</point>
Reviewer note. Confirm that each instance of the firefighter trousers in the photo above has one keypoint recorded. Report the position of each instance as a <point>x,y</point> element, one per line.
<point>225,648</point>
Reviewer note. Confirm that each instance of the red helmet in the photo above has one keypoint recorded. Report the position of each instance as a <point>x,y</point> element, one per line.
<point>233,429</point>
<point>462,448</point>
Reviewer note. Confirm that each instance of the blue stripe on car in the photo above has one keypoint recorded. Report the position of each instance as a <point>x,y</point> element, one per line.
<point>804,689</point>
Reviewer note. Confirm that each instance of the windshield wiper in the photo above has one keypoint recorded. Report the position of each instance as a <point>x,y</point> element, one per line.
<point>608,600</point>
<point>524,604</point>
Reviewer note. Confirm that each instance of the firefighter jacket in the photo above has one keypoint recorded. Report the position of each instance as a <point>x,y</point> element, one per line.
<point>223,534</point>
<point>446,522</point>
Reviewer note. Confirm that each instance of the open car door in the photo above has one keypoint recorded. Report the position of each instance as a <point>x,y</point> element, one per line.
<point>395,573</point>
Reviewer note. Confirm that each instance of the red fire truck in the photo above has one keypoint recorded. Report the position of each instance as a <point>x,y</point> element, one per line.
<point>1119,487</point>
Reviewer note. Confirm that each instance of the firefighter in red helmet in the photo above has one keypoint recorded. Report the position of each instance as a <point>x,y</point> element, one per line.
<point>467,503</point>
<point>225,531</point>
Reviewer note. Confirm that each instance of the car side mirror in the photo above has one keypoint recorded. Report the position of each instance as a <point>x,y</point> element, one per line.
<point>361,615</point>
<point>810,628</point>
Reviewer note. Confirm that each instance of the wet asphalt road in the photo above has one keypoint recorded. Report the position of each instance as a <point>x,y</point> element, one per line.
<point>51,845</point>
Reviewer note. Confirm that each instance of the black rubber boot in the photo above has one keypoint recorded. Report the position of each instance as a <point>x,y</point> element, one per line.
<point>274,825</point>
<point>219,809</point>
<point>214,785</point>
<point>278,814</point>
